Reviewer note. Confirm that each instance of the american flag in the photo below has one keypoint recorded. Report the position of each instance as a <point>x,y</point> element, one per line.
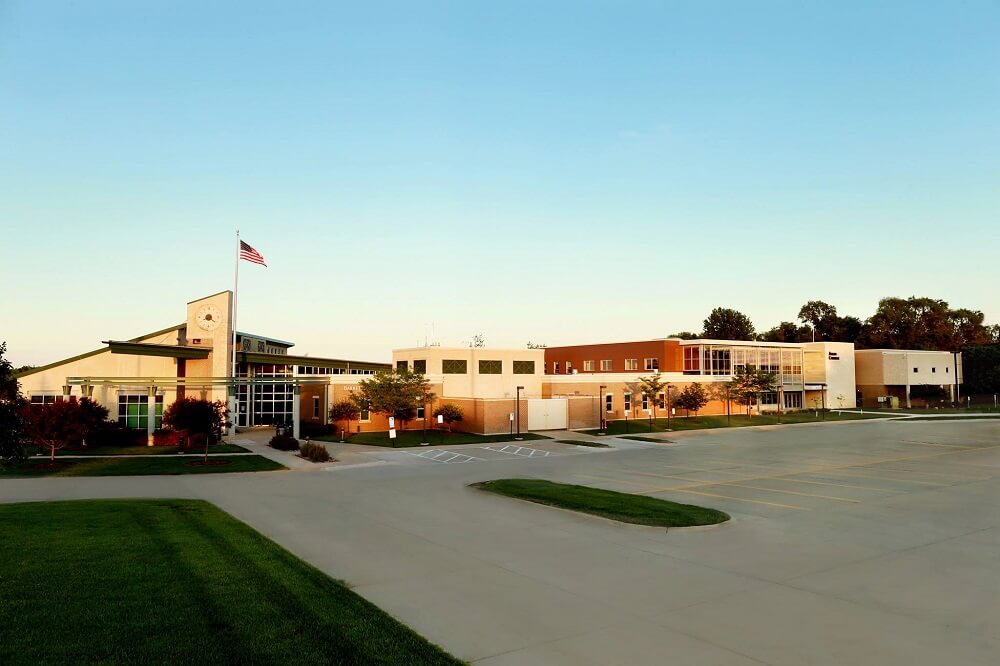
<point>250,254</point>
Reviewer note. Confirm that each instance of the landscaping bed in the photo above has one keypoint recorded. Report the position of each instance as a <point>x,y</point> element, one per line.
<point>177,582</point>
<point>623,507</point>
<point>139,450</point>
<point>132,466</point>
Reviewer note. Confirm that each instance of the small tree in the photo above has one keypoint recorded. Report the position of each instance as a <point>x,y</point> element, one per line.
<point>11,406</point>
<point>749,382</point>
<point>651,388</point>
<point>723,392</point>
<point>449,413</point>
<point>55,425</point>
<point>345,410</point>
<point>198,419</point>
<point>396,393</point>
<point>692,398</point>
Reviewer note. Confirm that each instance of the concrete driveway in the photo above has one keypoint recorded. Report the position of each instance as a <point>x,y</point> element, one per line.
<point>851,543</point>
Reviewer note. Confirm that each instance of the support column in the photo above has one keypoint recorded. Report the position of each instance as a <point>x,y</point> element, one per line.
<point>66,390</point>
<point>234,410</point>
<point>296,408</point>
<point>150,414</point>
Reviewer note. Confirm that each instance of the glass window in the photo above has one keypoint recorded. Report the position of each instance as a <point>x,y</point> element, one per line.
<point>569,367</point>
<point>660,401</point>
<point>692,360</point>
<point>420,366</point>
<point>490,367</point>
<point>769,398</point>
<point>645,402</point>
<point>315,407</point>
<point>628,402</point>
<point>609,403</point>
<point>631,364</point>
<point>133,411</point>
<point>401,366</point>
<point>420,412</point>
<point>915,370</point>
<point>525,368</point>
<point>555,367</point>
<point>793,400</point>
<point>588,366</point>
<point>43,399</point>
<point>607,365</point>
<point>652,363</point>
<point>451,366</point>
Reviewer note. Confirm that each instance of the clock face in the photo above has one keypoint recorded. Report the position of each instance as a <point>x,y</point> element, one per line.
<point>208,318</point>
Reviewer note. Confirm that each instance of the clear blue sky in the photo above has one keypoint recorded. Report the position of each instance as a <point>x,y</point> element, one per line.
<point>562,172</point>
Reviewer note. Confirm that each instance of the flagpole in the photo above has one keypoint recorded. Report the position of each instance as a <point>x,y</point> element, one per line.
<point>236,291</point>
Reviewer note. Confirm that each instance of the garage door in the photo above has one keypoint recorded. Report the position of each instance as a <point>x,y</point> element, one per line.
<point>547,413</point>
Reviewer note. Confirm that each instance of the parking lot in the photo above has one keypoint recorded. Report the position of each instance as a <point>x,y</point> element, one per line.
<point>851,543</point>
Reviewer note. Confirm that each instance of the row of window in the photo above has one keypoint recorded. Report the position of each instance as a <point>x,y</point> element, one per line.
<point>793,400</point>
<point>699,360</point>
<point>461,367</point>
<point>608,365</point>
<point>916,370</point>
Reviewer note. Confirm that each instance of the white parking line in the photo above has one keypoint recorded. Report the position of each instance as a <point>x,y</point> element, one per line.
<point>515,450</point>
<point>443,456</point>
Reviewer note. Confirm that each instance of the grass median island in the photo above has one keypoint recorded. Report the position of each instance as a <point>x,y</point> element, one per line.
<point>408,438</point>
<point>623,507</point>
<point>133,466</point>
<point>177,581</point>
<point>140,450</point>
<point>642,425</point>
<point>585,442</point>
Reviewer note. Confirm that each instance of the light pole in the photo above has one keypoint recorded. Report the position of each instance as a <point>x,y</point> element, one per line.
<point>626,406</point>
<point>602,411</point>
<point>668,405</point>
<point>517,409</point>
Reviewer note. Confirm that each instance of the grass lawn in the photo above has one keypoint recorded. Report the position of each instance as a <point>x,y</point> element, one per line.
<point>584,442</point>
<point>623,507</point>
<point>130,466</point>
<point>407,438</point>
<point>639,426</point>
<point>176,582</point>
<point>139,450</point>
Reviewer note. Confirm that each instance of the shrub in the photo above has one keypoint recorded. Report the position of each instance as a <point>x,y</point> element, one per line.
<point>115,434</point>
<point>317,453</point>
<point>284,443</point>
<point>309,429</point>
<point>165,437</point>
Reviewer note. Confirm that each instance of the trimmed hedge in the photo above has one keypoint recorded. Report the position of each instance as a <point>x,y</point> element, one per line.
<point>316,453</point>
<point>284,443</point>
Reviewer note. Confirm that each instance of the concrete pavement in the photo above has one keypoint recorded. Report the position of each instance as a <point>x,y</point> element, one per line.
<point>857,543</point>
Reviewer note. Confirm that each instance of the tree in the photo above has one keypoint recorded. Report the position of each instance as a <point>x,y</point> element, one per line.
<point>396,393</point>
<point>727,324</point>
<point>651,388</point>
<point>692,398</point>
<point>199,419</point>
<point>449,414</point>
<point>924,323</point>
<point>11,405</point>
<point>723,392</point>
<point>749,382</point>
<point>787,331</point>
<point>827,325</point>
<point>685,335</point>
<point>478,340</point>
<point>344,410</point>
<point>55,425</point>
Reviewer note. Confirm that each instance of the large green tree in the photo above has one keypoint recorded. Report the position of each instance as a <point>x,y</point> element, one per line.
<point>692,398</point>
<point>787,331</point>
<point>923,323</point>
<point>11,404</point>
<point>727,324</point>
<point>396,393</point>
<point>822,319</point>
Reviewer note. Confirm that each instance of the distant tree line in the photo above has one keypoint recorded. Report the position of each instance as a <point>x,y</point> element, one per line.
<point>897,323</point>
